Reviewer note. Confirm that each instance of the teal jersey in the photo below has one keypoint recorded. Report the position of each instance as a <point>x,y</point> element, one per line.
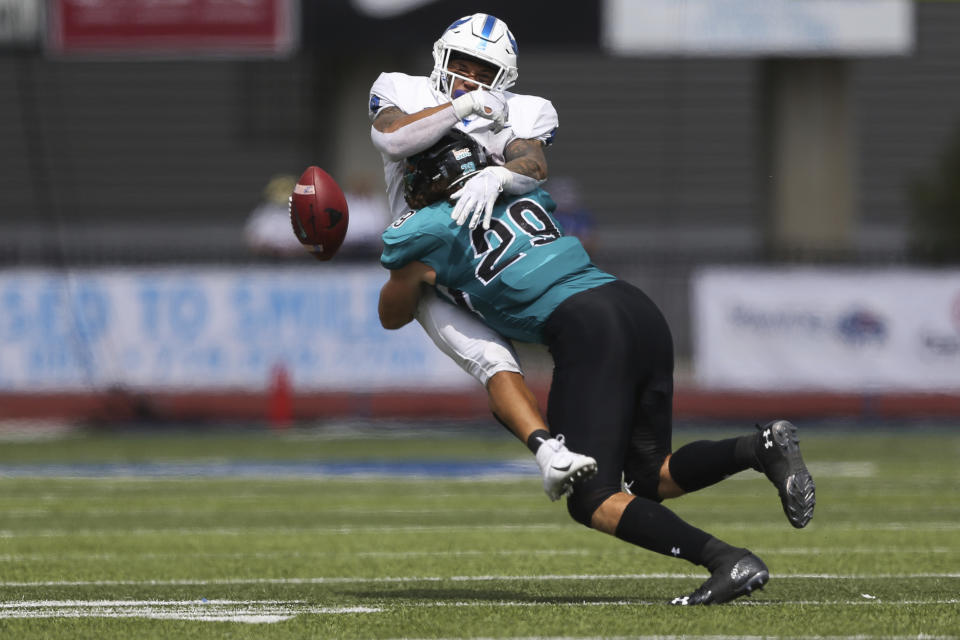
<point>513,275</point>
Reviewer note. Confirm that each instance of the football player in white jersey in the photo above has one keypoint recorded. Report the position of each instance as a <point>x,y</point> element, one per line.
<point>475,62</point>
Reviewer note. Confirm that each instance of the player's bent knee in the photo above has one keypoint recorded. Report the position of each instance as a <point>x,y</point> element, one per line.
<point>644,477</point>
<point>582,504</point>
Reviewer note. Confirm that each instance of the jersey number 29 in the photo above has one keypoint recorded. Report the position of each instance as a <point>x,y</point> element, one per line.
<point>530,218</point>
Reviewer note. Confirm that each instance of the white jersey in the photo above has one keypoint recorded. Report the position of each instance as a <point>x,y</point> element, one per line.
<point>530,118</point>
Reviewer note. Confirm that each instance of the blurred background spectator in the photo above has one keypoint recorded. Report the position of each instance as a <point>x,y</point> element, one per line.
<point>268,231</point>
<point>369,216</point>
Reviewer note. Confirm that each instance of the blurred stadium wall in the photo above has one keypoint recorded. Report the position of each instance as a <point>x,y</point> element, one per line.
<point>127,162</point>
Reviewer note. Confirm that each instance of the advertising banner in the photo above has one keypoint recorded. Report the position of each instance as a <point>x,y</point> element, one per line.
<point>758,27</point>
<point>209,329</point>
<point>831,330</point>
<point>172,27</point>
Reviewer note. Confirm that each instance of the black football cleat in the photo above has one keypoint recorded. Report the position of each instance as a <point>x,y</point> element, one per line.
<point>728,582</point>
<point>778,454</point>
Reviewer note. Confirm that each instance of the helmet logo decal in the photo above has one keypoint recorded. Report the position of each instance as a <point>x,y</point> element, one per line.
<point>488,25</point>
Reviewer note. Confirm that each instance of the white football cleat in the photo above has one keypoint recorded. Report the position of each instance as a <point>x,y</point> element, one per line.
<point>562,468</point>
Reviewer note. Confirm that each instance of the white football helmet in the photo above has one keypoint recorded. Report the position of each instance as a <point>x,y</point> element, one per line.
<point>478,36</point>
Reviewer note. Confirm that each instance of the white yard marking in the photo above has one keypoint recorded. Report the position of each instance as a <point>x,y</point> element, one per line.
<point>270,555</point>
<point>699,637</point>
<point>60,509</point>
<point>645,603</point>
<point>379,530</point>
<point>248,611</point>
<point>270,611</point>
<point>861,469</point>
<point>506,470</point>
<point>435,579</point>
<point>459,553</point>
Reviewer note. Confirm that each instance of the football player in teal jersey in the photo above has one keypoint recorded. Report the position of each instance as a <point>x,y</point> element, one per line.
<point>612,388</point>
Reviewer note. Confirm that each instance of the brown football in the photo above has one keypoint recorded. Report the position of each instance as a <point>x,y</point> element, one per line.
<point>318,213</point>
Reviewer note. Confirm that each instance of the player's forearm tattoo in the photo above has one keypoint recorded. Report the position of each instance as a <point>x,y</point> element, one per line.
<point>526,157</point>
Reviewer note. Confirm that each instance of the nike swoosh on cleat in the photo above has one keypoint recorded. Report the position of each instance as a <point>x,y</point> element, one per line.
<point>563,468</point>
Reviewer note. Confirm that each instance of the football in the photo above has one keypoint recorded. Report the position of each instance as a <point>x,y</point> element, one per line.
<point>318,213</point>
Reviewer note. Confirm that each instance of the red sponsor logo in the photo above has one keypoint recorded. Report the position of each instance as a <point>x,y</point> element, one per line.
<point>250,27</point>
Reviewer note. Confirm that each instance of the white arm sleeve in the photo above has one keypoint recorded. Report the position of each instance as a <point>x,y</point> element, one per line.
<point>414,137</point>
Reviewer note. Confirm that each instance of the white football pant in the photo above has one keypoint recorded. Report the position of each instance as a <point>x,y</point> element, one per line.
<point>478,349</point>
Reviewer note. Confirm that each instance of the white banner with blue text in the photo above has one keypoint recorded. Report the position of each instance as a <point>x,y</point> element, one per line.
<point>827,329</point>
<point>208,328</point>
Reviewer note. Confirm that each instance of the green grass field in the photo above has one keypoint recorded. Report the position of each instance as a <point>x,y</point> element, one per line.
<point>207,550</point>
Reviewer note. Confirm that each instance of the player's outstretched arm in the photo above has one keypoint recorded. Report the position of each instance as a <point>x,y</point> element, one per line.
<point>398,135</point>
<point>391,119</point>
<point>401,293</point>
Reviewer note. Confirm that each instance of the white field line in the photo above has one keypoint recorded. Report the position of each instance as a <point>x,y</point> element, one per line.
<point>921,636</point>
<point>523,469</point>
<point>442,579</point>
<point>62,509</point>
<point>249,611</point>
<point>462,553</point>
<point>247,530</point>
<point>272,611</point>
<point>243,508</point>
<point>272,555</point>
<point>742,603</point>
<point>378,529</point>
<point>519,468</point>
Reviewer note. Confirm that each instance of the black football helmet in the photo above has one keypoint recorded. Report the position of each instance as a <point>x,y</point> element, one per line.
<point>434,173</point>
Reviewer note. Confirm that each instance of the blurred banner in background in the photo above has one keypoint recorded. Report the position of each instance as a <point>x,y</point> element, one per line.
<point>182,28</point>
<point>827,329</point>
<point>758,27</point>
<point>185,329</point>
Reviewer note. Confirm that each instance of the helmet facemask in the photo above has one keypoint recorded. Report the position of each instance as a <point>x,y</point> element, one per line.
<point>448,76</point>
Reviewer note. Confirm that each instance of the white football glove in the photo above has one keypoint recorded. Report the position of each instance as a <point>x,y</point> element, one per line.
<point>478,195</point>
<point>491,105</point>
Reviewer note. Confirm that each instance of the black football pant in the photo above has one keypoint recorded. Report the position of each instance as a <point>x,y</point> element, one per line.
<point>612,390</point>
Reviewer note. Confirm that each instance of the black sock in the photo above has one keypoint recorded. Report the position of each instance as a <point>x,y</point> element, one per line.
<point>533,442</point>
<point>706,462</point>
<point>717,552</point>
<point>651,525</point>
<point>747,451</point>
